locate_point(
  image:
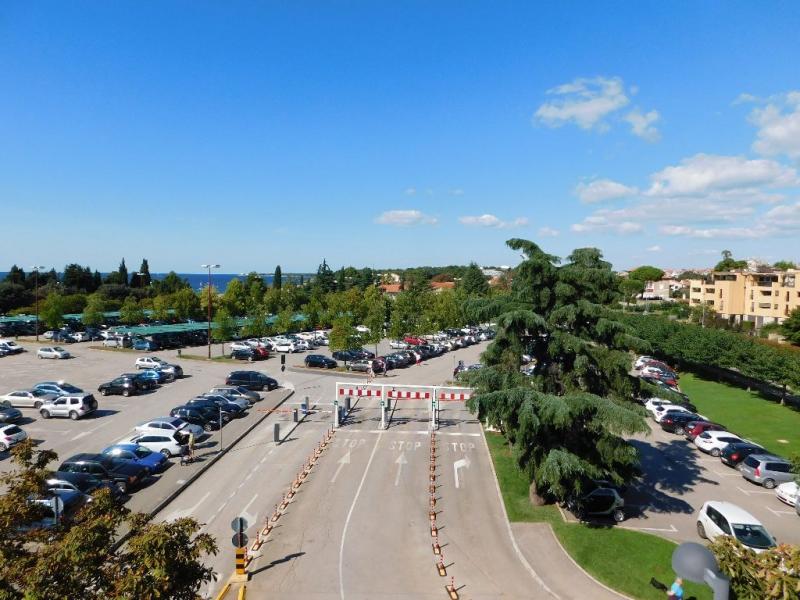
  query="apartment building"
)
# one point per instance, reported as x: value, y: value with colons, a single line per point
x: 749, y: 296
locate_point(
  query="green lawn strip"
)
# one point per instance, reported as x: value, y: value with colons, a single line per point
x: 746, y: 413
x: 622, y: 559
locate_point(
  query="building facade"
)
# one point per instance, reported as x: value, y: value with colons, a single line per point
x: 749, y: 296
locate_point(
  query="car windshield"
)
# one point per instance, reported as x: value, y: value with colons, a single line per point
x: 58, y: 349
x: 754, y: 536
x: 142, y: 452
x: 13, y: 430
x: 70, y: 388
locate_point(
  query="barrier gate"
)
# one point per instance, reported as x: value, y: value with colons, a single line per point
x: 433, y: 395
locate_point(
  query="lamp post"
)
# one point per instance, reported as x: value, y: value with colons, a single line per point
x: 209, y: 267
x: 36, y: 270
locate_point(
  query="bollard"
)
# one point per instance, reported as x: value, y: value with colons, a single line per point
x: 294, y: 416
x: 437, y: 549
x: 434, y: 531
x: 347, y: 404
x: 275, y: 515
x: 276, y: 433
x: 433, y: 501
x: 451, y: 589
x: 433, y: 477
x: 432, y: 488
x: 304, y: 406
x: 241, y: 561
x: 440, y: 565
x: 432, y: 514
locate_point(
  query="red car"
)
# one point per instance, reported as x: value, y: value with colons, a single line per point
x: 414, y: 341
x: 701, y: 426
x: 261, y: 352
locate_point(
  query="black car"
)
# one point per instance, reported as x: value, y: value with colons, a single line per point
x: 676, y: 421
x: 126, y: 385
x: 85, y: 483
x: 346, y: 355
x: 252, y: 380
x: 202, y: 416
x: 362, y: 353
x: 9, y: 414
x: 122, y: 473
x: 217, y: 403
x: 247, y: 354
x: 318, y: 360
x: 733, y: 454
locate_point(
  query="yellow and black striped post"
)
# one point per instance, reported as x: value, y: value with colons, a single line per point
x: 241, y: 561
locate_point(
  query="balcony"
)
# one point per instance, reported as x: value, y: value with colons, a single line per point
x: 764, y: 305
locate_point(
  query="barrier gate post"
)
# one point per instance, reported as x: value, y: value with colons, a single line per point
x: 336, y: 414
x: 383, y: 414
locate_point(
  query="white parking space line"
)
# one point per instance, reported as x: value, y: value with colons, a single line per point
x: 751, y: 492
x: 778, y: 513
x: 406, y: 432
x: 672, y: 528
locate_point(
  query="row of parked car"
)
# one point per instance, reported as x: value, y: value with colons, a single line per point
x: 755, y: 463
x: 260, y: 348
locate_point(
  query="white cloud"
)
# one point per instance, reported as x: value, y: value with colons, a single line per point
x: 548, y: 232
x: 642, y: 124
x: 702, y: 174
x: 655, y: 248
x: 410, y: 191
x: 786, y: 216
x: 405, y: 218
x: 492, y: 221
x: 456, y: 192
x: 754, y: 232
x: 603, y: 189
x: 597, y: 223
x: 778, y: 125
x: 584, y: 102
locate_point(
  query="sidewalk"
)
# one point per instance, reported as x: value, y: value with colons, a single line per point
x: 566, y: 580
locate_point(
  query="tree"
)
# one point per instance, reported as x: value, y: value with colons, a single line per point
x: 784, y: 265
x: 131, y: 313
x: 474, y: 282
x: 171, y: 283
x: 375, y: 315
x: 728, y: 263
x: 161, y: 308
x: 630, y: 288
x: 277, y: 278
x: 285, y: 323
x: 325, y: 280
x: 235, y: 298
x: 186, y: 304
x: 772, y: 573
x: 159, y: 560
x: 790, y: 328
x: 142, y: 279
x: 224, y: 327
x: 690, y: 275
x: 15, y: 275
x: 93, y: 312
x: 256, y: 322
x: 646, y: 273
x: 343, y: 335
x: 51, y: 310
x: 565, y: 424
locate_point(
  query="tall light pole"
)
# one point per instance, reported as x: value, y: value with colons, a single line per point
x: 36, y: 270
x: 209, y: 267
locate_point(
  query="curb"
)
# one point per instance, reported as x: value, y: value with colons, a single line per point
x: 334, y: 373
x: 192, y: 478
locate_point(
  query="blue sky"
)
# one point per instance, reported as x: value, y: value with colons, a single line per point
x: 382, y: 133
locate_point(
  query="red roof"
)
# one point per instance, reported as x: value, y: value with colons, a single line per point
x: 391, y: 288
x: 443, y: 285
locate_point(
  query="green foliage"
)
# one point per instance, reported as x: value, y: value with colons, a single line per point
x: 93, y: 312
x: 256, y: 322
x: 474, y: 281
x: 325, y: 281
x: 284, y: 322
x: 277, y: 278
x: 224, y: 326
x: 375, y: 311
x: 51, y: 310
x: 15, y: 275
x: 407, y: 314
x: 566, y: 423
x: 728, y: 263
x: 693, y: 345
x: 185, y: 303
x: 773, y: 573
x: 784, y: 265
x: 690, y: 275
x: 630, y: 288
x: 646, y: 273
x: 161, y: 308
x: 171, y: 283
x: 343, y: 335
x: 131, y: 312
x: 160, y: 560
x: 236, y: 297
x: 790, y: 328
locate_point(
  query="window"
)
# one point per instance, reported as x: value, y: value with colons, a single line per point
x: 778, y: 467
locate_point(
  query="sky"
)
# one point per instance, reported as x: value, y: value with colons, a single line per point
x: 252, y: 134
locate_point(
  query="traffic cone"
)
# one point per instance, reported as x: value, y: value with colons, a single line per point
x: 451, y: 589
x: 437, y: 549
x: 432, y: 515
x: 440, y: 565
x: 434, y: 530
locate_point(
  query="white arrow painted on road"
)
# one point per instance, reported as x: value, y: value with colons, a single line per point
x: 401, y: 460
x: 189, y: 511
x: 464, y: 462
x: 778, y: 513
x: 287, y: 385
x: 345, y: 460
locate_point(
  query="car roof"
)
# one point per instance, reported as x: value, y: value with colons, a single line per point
x: 733, y: 513
x: 769, y: 458
x: 122, y: 445
x: 720, y: 433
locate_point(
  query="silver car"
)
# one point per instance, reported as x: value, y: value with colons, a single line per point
x: 11, y: 435
x: 74, y: 406
x: 52, y: 352
x: 28, y: 398
x: 232, y: 391
x: 766, y: 470
x: 162, y: 424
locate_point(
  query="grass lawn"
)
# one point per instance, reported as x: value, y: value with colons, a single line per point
x: 749, y: 414
x: 622, y: 559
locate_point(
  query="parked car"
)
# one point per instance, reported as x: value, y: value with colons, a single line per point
x: 651, y: 404
x: 215, y: 404
x: 74, y: 406
x: 208, y: 420
x: 59, y: 388
x: 82, y: 336
x: 11, y: 347
x: 733, y: 454
x: 168, y: 443
x: 318, y: 360
x: 232, y: 391
x: 248, y: 354
x: 124, y: 474
x: 716, y: 519
x: 85, y: 483
x: 145, y: 345
x: 153, y: 362
x: 239, y: 346
x: 139, y: 455
x: 59, y: 508
x: 125, y: 385
x: 52, y: 352
x: 252, y: 380
x: 169, y: 425
x: 788, y: 493
x: 9, y: 414
x: 28, y: 398
x: 363, y: 366
x: 766, y: 469
x: 413, y: 340
x: 677, y: 421
x: 157, y: 376
x: 345, y: 355
x: 697, y: 427
x: 398, y: 344
x: 665, y: 409
x: 117, y: 342
x: 712, y: 442
x: 241, y: 401
x: 286, y: 346
x: 10, y: 436
x: 600, y: 502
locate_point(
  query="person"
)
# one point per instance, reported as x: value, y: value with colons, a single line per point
x: 676, y: 590
x: 370, y: 374
x: 190, y: 445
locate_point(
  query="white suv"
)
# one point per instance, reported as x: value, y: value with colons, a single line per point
x: 724, y: 518
x: 712, y: 442
x: 168, y: 443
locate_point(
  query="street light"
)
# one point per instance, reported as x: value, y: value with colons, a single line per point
x: 36, y: 296
x: 209, y: 267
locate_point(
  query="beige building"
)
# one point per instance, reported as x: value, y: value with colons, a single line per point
x: 747, y: 296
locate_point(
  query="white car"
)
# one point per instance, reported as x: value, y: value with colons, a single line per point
x: 712, y: 442
x: 362, y: 329
x: 239, y: 346
x: 660, y: 411
x: 398, y: 344
x: 153, y: 362
x: 113, y: 342
x: 52, y: 352
x: 285, y: 346
x: 653, y: 403
x: 302, y: 345
x: 165, y: 442
x: 11, y: 435
x: 81, y: 336
x: 11, y: 347
x: 642, y: 361
x: 788, y: 492
x: 48, y: 335
x: 724, y: 518
x: 169, y: 424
